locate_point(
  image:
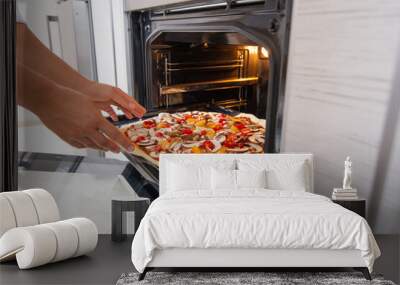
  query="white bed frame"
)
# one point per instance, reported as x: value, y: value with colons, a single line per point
x: 234, y: 257
x: 250, y: 258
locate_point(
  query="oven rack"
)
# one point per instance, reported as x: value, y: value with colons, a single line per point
x: 232, y: 103
x: 207, y: 85
x: 204, y: 65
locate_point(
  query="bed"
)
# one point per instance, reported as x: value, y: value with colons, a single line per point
x: 246, y: 211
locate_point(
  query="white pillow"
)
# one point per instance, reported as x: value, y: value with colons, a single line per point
x: 293, y: 178
x: 223, y: 179
x: 187, y: 174
x: 227, y: 179
x: 182, y: 177
x: 282, y: 174
x: 251, y: 178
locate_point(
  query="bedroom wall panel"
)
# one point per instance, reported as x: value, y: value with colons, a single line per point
x: 341, y: 77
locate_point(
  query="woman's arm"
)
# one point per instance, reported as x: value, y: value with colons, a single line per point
x: 74, y: 117
x: 34, y: 55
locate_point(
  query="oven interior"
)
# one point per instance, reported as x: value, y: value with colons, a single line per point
x: 225, y: 56
x: 214, y: 70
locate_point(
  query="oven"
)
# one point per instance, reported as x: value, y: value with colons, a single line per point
x: 223, y: 56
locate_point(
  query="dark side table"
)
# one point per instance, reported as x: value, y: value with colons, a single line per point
x: 358, y: 206
x: 119, y: 205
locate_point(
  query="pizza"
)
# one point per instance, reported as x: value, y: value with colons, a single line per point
x: 195, y: 132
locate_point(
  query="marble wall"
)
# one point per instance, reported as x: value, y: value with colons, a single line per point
x: 343, y: 98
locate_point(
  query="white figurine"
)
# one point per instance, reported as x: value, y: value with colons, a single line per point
x: 347, y: 174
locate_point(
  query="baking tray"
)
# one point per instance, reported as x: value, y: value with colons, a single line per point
x: 150, y: 171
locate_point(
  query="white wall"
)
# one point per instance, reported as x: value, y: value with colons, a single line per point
x: 103, y: 39
x: 35, y: 14
x: 341, y: 74
x: 110, y: 29
x: 120, y: 43
x: 385, y: 200
x: 33, y: 136
x: 107, y: 16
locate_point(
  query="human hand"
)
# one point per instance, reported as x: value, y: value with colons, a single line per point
x: 67, y: 102
x: 76, y: 118
x: 103, y: 96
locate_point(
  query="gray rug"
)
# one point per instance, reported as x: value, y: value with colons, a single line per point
x: 244, y: 278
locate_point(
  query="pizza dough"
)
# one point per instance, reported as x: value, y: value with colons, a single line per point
x: 196, y: 132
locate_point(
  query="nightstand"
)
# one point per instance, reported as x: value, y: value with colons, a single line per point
x: 358, y: 206
x: 119, y: 205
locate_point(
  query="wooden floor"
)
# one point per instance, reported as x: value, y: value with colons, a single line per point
x: 103, y: 266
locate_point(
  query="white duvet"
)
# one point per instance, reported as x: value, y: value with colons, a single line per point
x: 253, y: 218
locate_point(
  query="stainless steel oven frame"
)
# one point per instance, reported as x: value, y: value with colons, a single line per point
x: 265, y: 23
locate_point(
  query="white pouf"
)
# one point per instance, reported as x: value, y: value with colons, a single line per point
x: 45, y: 205
x: 7, y: 220
x: 31, y: 232
x: 67, y: 237
x: 23, y: 208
